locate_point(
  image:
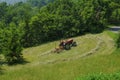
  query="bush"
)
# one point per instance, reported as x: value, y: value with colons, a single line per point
x: 118, y: 40
x: 10, y: 43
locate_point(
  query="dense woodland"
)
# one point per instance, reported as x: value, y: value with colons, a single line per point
x: 30, y: 23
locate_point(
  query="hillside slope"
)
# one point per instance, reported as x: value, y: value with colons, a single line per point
x: 92, y: 55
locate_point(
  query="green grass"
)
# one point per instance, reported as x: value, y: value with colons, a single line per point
x: 39, y: 68
x: 101, y: 76
x: 115, y: 75
x: 112, y: 34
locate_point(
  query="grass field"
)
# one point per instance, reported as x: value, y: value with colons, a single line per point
x: 95, y: 54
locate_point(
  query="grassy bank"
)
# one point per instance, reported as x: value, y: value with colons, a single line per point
x: 115, y: 75
x: 56, y: 66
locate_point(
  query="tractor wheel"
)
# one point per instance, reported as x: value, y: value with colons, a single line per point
x: 74, y: 44
x: 67, y: 47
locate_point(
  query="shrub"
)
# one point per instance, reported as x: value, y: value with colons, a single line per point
x: 10, y: 43
x: 118, y: 40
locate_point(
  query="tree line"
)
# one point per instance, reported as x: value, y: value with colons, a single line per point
x: 38, y: 21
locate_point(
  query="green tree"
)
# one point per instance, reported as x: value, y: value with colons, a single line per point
x: 10, y: 43
x: 65, y: 18
x: 115, y: 17
x: 39, y: 3
x: 3, y: 9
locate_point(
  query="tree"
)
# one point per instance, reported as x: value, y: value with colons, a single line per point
x: 113, y: 11
x: 39, y: 3
x: 115, y: 17
x: 63, y: 19
x: 10, y: 43
x: 3, y: 9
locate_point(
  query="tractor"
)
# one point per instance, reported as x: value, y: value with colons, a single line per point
x: 65, y: 45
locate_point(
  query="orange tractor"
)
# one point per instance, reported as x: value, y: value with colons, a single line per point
x: 65, y: 45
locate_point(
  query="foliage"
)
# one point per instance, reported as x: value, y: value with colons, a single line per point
x: 114, y: 17
x: 10, y: 43
x: 3, y: 9
x: 118, y: 41
x: 39, y: 3
x: 65, y: 18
